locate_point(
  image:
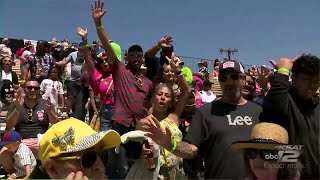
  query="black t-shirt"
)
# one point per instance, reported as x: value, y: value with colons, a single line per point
x: 214, y: 128
x: 39, y: 124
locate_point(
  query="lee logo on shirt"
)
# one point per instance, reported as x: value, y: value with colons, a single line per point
x: 239, y: 120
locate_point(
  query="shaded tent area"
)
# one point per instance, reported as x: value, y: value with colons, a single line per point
x: 16, y: 44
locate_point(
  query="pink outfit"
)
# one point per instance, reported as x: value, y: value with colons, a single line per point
x: 199, y: 83
x: 198, y: 100
x: 101, y: 85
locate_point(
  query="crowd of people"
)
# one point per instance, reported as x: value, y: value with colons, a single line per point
x: 146, y: 116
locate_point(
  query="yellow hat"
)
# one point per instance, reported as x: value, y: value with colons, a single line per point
x: 72, y: 135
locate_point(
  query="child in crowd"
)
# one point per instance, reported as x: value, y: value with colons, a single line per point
x: 24, y: 161
x: 51, y: 89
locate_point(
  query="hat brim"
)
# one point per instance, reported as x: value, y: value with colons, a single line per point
x: 240, y: 146
x: 108, y: 139
x: 4, y: 143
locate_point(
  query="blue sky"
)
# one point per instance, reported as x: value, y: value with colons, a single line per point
x: 261, y: 30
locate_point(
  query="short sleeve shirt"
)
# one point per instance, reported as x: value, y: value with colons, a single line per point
x: 131, y: 98
x: 39, y: 65
x: 76, y: 60
x: 215, y: 126
x: 39, y: 123
x: 51, y: 89
x: 23, y: 157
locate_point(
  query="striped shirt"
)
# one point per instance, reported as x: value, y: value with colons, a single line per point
x: 23, y: 157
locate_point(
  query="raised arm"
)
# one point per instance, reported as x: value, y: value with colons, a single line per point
x: 163, y: 43
x: 276, y: 102
x: 14, y: 112
x: 184, y: 91
x: 97, y: 14
x: 83, y: 33
x: 163, y: 137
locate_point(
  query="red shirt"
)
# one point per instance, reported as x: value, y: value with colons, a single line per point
x: 131, y: 99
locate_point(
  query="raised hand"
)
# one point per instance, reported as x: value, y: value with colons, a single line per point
x: 284, y: 63
x: 97, y: 10
x: 174, y: 62
x: 19, y: 99
x: 160, y: 135
x: 166, y: 41
x: 82, y: 32
x: 263, y: 76
x: 49, y: 105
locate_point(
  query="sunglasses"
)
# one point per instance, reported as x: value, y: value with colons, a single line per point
x: 30, y: 115
x: 33, y: 88
x: 250, y: 83
x: 223, y: 78
x: 263, y: 153
x: 135, y: 54
x: 87, y: 158
x: 10, y: 61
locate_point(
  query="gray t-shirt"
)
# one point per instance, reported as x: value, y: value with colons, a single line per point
x: 76, y: 59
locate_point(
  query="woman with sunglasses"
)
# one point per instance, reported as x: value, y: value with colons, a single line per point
x: 6, y: 70
x: 101, y: 82
x: 71, y: 149
x: 262, y: 154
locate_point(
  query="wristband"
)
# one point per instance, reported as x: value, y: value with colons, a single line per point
x: 284, y: 70
x: 158, y: 46
x: 174, y: 146
x: 99, y: 27
x: 85, y: 46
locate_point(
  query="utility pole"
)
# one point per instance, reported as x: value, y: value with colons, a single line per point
x: 228, y: 52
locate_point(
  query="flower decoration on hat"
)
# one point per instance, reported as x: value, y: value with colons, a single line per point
x: 65, y: 139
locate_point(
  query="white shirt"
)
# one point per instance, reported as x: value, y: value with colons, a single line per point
x: 207, y: 96
x: 7, y: 76
x: 23, y: 157
x: 51, y: 90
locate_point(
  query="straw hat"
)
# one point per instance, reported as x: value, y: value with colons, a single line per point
x: 264, y: 136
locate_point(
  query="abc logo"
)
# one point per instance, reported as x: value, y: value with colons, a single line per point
x: 271, y: 156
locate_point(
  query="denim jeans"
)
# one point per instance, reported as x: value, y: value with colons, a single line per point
x: 105, y: 115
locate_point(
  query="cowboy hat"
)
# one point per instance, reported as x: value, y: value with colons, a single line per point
x: 264, y: 136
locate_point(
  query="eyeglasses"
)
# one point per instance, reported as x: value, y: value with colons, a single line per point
x: 33, y: 88
x: 263, y: 153
x: 30, y: 115
x: 87, y: 158
x: 134, y: 54
x: 223, y: 78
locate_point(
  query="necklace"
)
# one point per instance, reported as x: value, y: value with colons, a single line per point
x: 138, y: 79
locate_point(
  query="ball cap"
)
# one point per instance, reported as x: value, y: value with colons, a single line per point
x: 72, y: 135
x: 9, y: 137
x: 231, y: 64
